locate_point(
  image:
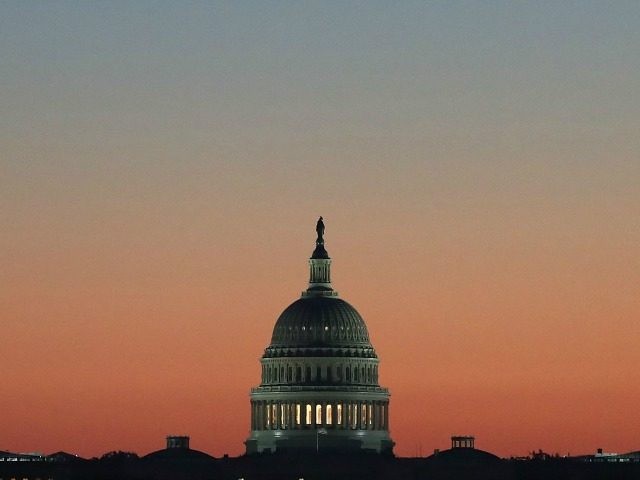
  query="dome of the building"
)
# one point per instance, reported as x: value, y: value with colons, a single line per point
x: 320, y: 322
x: 319, y: 386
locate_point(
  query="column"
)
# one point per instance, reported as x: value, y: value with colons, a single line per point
x: 367, y: 415
x: 259, y: 416
x: 324, y: 414
x: 344, y: 415
x: 253, y: 415
x: 374, y: 409
x: 292, y: 415
x: 272, y: 413
x: 373, y: 415
x: 386, y: 415
x: 334, y: 414
x: 287, y: 415
x: 366, y: 418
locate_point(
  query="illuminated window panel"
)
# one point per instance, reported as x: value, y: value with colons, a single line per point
x: 308, y: 416
x: 353, y: 411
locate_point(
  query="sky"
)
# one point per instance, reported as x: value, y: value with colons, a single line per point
x: 163, y: 164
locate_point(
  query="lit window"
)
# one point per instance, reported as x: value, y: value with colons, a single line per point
x: 370, y: 415
x: 297, y: 414
x: 318, y: 414
x: 339, y: 414
x: 308, y: 419
x: 329, y: 415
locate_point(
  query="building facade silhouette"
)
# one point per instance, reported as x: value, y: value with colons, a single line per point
x: 319, y: 388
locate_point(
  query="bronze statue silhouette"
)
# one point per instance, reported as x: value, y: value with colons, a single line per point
x: 320, y: 230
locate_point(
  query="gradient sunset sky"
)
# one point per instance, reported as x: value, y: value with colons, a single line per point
x: 163, y: 164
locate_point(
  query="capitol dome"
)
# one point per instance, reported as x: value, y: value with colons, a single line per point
x: 320, y: 321
x: 319, y: 387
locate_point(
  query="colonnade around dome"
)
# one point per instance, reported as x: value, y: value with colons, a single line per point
x: 339, y: 415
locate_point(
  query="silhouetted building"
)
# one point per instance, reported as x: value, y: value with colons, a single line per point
x: 174, y: 441
x: 462, y: 441
x: 178, y: 450
x: 319, y: 388
x: 462, y: 452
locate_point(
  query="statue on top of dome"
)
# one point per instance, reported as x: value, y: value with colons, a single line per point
x: 320, y: 230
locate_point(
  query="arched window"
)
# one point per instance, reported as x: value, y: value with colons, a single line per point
x: 328, y: 374
x: 298, y: 374
x: 354, y: 416
x: 307, y: 375
x: 308, y: 415
x: 318, y: 374
x: 329, y: 414
x: 348, y: 374
x: 318, y: 414
x: 298, y: 414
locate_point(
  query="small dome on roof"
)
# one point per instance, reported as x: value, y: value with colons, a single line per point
x: 178, y: 454
x: 463, y: 456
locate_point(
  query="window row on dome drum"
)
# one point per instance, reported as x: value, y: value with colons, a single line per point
x: 352, y: 415
x: 354, y: 351
x: 278, y: 372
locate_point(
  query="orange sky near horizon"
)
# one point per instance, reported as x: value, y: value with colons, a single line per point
x: 162, y: 169
x: 485, y: 333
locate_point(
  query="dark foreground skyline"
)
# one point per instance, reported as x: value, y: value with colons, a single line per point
x: 180, y: 462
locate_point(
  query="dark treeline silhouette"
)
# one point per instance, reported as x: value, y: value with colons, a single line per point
x: 193, y: 465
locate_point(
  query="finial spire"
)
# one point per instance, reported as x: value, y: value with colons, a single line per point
x: 320, y: 252
x: 320, y: 232
x: 320, y: 267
